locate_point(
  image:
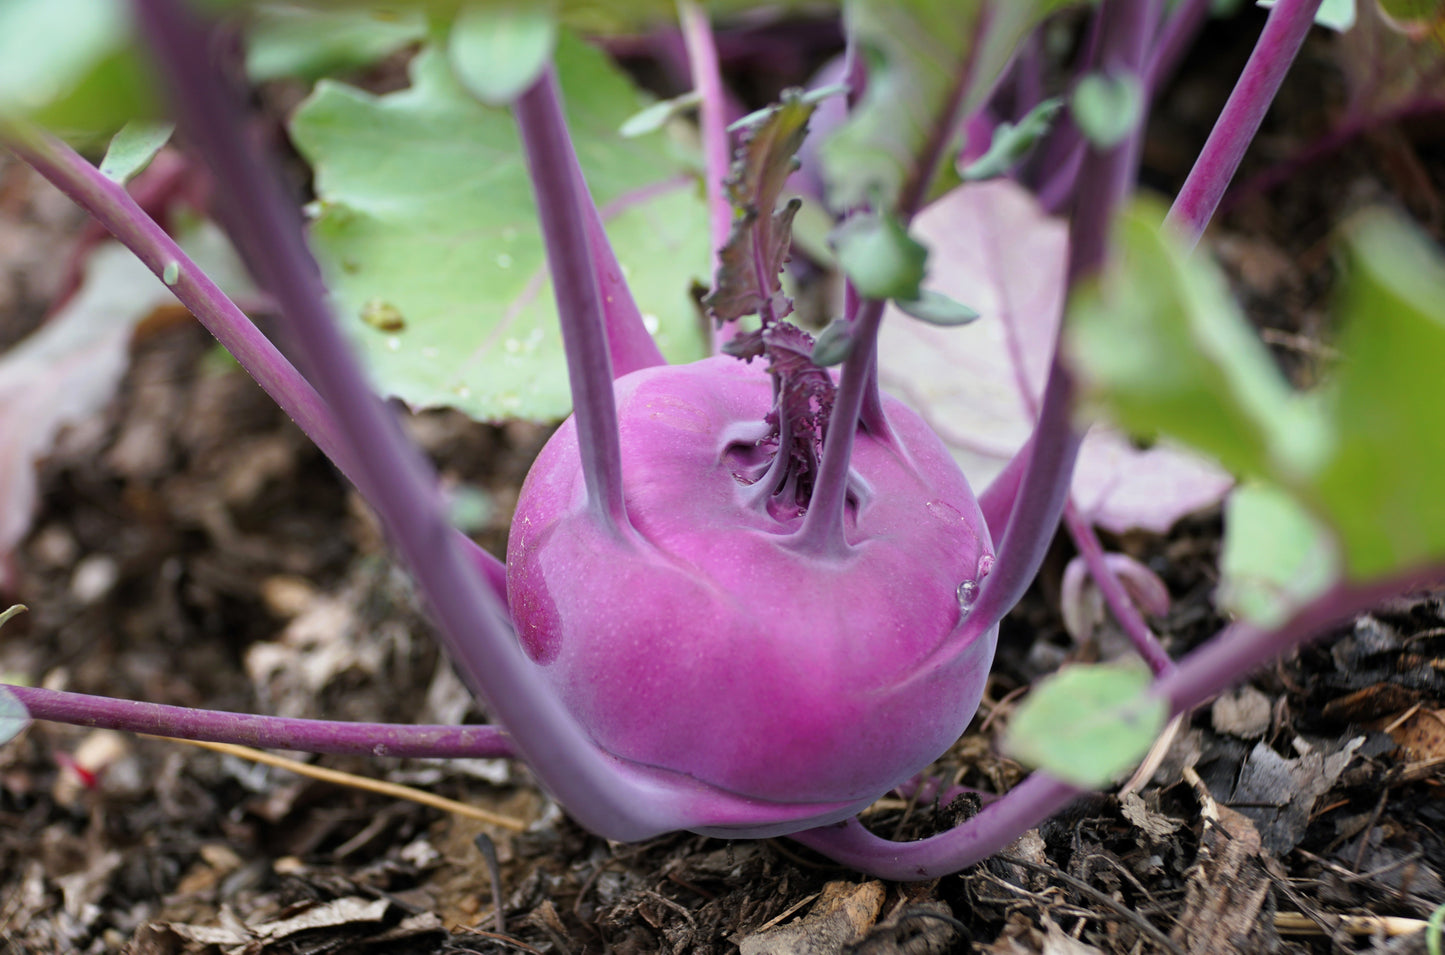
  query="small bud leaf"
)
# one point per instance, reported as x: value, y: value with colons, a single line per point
x: 881, y: 258
x: 935, y: 308
x: 1106, y: 108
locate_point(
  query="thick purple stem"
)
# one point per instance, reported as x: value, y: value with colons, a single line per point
x: 1120, y: 603
x: 992, y: 830
x: 821, y: 533
x: 110, y: 204
x: 1034, y: 517
x: 822, y: 530
x: 267, y: 229
x: 628, y: 341
x: 712, y: 117
x: 562, y: 202
x: 269, y: 732
x: 1126, y: 28
x: 1210, y: 670
x: 1283, y: 35
x: 1061, y: 158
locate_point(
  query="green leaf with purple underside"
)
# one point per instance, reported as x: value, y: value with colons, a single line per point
x: 750, y: 262
x: 424, y: 207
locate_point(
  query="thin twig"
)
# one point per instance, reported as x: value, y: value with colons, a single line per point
x: 1078, y: 885
x: 353, y: 781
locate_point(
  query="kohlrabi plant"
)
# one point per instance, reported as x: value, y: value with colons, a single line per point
x: 749, y: 594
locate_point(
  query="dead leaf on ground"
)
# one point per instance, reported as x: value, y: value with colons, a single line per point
x: 1279, y: 794
x: 842, y: 915
x: 1421, y: 735
x: 1228, y: 885
x: 1244, y: 712
x: 1022, y: 937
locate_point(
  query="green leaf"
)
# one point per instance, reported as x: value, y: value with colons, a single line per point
x: 1087, y: 724
x: 69, y: 66
x: 935, y: 308
x: 11, y: 612
x: 424, y: 206
x: 1107, y: 108
x: 499, y: 50
x: 920, y: 53
x: 881, y: 258
x: 834, y: 344
x: 658, y: 115
x: 761, y: 232
x: 14, y: 718
x: 133, y: 148
x: 1276, y: 557
x: 1161, y: 348
x: 1011, y: 142
x: 1381, y: 487
x: 307, y: 43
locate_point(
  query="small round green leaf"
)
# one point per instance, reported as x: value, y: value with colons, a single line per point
x: 497, y: 52
x: 881, y: 258
x: 133, y: 148
x: 1106, y: 108
x: 935, y: 308
x: 1088, y: 724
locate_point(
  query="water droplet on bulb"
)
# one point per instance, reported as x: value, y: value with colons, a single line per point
x: 967, y: 594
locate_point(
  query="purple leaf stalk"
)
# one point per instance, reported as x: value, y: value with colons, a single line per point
x: 741, y: 597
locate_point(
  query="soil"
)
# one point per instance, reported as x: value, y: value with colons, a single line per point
x: 192, y: 548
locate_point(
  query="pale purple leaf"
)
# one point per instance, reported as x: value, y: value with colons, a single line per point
x: 69, y: 369
x: 995, y: 250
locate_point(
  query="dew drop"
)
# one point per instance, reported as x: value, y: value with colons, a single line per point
x: 171, y: 274
x: 380, y: 749
x: 431, y: 352
x: 967, y: 594
x: 504, y: 261
x: 651, y: 323
x: 393, y: 344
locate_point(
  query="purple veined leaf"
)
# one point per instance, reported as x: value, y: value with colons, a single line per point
x: 994, y: 249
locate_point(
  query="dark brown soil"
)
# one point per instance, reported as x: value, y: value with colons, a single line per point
x: 193, y: 548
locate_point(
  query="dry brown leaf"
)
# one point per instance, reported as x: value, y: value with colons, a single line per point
x: 842, y: 915
x: 1422, y: 735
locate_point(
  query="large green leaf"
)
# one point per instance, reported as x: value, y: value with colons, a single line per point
x: 1163, y: 348
x: 1381, y: 488
x: 921, y: 54
x: 1277, y: 555
x: 70, y: 66
x: 1160, y: 347
x: 427, y: 232
x: 290, y: 39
